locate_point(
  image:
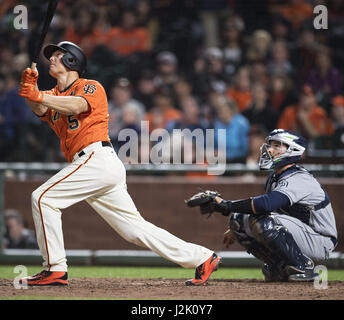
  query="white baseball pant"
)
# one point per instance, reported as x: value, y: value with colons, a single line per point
x: 99, y: 177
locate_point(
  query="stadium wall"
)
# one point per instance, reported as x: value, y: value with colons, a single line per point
x: 160, y: 200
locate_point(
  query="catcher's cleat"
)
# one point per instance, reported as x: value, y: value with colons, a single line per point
x: 46, y: 278
x: 273, y: 274
x: 204, y: 270
x: 302, y: 273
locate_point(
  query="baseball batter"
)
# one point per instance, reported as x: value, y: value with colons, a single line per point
x: 77, y: 110
x: 291, y: 225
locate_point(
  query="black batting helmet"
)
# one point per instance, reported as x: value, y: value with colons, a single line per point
x: 74, y: 57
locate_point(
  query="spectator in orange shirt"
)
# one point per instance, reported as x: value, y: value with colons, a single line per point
x: 306, y: 118
x: 296, y: 12
x: 163, y: 111
x: 127, y: 38
x: 241, y: 91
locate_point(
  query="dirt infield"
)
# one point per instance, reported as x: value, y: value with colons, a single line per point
x: 175, y: 289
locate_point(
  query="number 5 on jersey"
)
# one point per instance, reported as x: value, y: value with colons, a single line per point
x: 73, y: 122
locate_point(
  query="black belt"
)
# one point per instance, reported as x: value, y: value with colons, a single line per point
x: 104, y: 144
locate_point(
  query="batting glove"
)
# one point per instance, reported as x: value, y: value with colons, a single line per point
x: 29, y: 76
x: 30, y: 92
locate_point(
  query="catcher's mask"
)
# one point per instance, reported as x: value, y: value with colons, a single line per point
x: 296, y: 145
x: 74, y: 57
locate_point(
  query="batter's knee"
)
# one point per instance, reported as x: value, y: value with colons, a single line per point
x: 35, y: 196
x: 38, y: 198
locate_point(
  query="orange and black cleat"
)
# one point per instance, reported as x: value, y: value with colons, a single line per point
x: 204, y: 270
x: 46, y: 278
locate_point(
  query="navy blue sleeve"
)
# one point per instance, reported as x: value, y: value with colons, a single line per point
x: 270, y: 202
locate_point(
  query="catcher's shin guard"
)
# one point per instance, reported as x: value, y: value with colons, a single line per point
x: 281, y: 243
x: 273, y: 269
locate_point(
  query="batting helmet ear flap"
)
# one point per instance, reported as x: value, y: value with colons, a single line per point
x: 69, y: 61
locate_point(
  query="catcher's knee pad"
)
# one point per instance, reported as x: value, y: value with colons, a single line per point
x: 264, y: 228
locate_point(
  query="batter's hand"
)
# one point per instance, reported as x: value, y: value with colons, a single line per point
x: 229, y: 238
x: 30, y: 76
x: 30, y: 92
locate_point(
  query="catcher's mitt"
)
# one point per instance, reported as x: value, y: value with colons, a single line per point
x: 205, y: 200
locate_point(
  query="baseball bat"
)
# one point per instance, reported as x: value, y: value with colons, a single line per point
x: 47, y: 20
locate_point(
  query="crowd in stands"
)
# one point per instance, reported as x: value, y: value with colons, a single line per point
x: 241, y: 65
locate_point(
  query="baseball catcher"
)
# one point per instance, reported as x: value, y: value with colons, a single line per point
x: 291, y: 225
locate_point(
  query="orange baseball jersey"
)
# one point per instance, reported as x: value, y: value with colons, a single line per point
x: 78, y: 131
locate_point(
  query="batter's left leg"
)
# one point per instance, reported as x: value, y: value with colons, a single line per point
x: 119, y: 211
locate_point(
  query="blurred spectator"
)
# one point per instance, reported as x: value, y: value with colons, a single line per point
x: 296, y: 11
x: 181, y: 89
x: 145, y: 89
x: 241, y: 89
x: 163, y: 111
x: 304, y: 53
x: 210, y: 13
x: 335, y: 10
x: 131, y: 119
x: 190, y: 116
x: 324, y: 78
x: 146, y: 19
x: 6, y: 58
x: 306, y: 118
x: 256, y: 138
x: 281, y: 29
x: 120, y: 98
x: 166, y: 70
x: 259, y: 112
x: 83, y: 32
x: 13, y: 113
x: 259, y: 46
x: 17, y: 236
x: 127, y: 38
x: 338, y: 120
x: 280, y: 94
x: 259, y: 73
x: 232, y: 46
x: 108, y: 15
x: 208, y: 69
x: 236, y: 130
x: 279, y: 62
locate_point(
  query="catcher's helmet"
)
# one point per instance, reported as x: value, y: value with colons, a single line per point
x: 74, y: 57
x: 296, y: 145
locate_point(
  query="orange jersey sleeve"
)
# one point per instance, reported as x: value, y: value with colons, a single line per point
x: 78, y: 131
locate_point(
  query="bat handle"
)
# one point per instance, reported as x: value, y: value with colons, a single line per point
x: 34, y: 65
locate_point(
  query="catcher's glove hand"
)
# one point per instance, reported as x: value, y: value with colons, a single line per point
x: 205, y: 200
